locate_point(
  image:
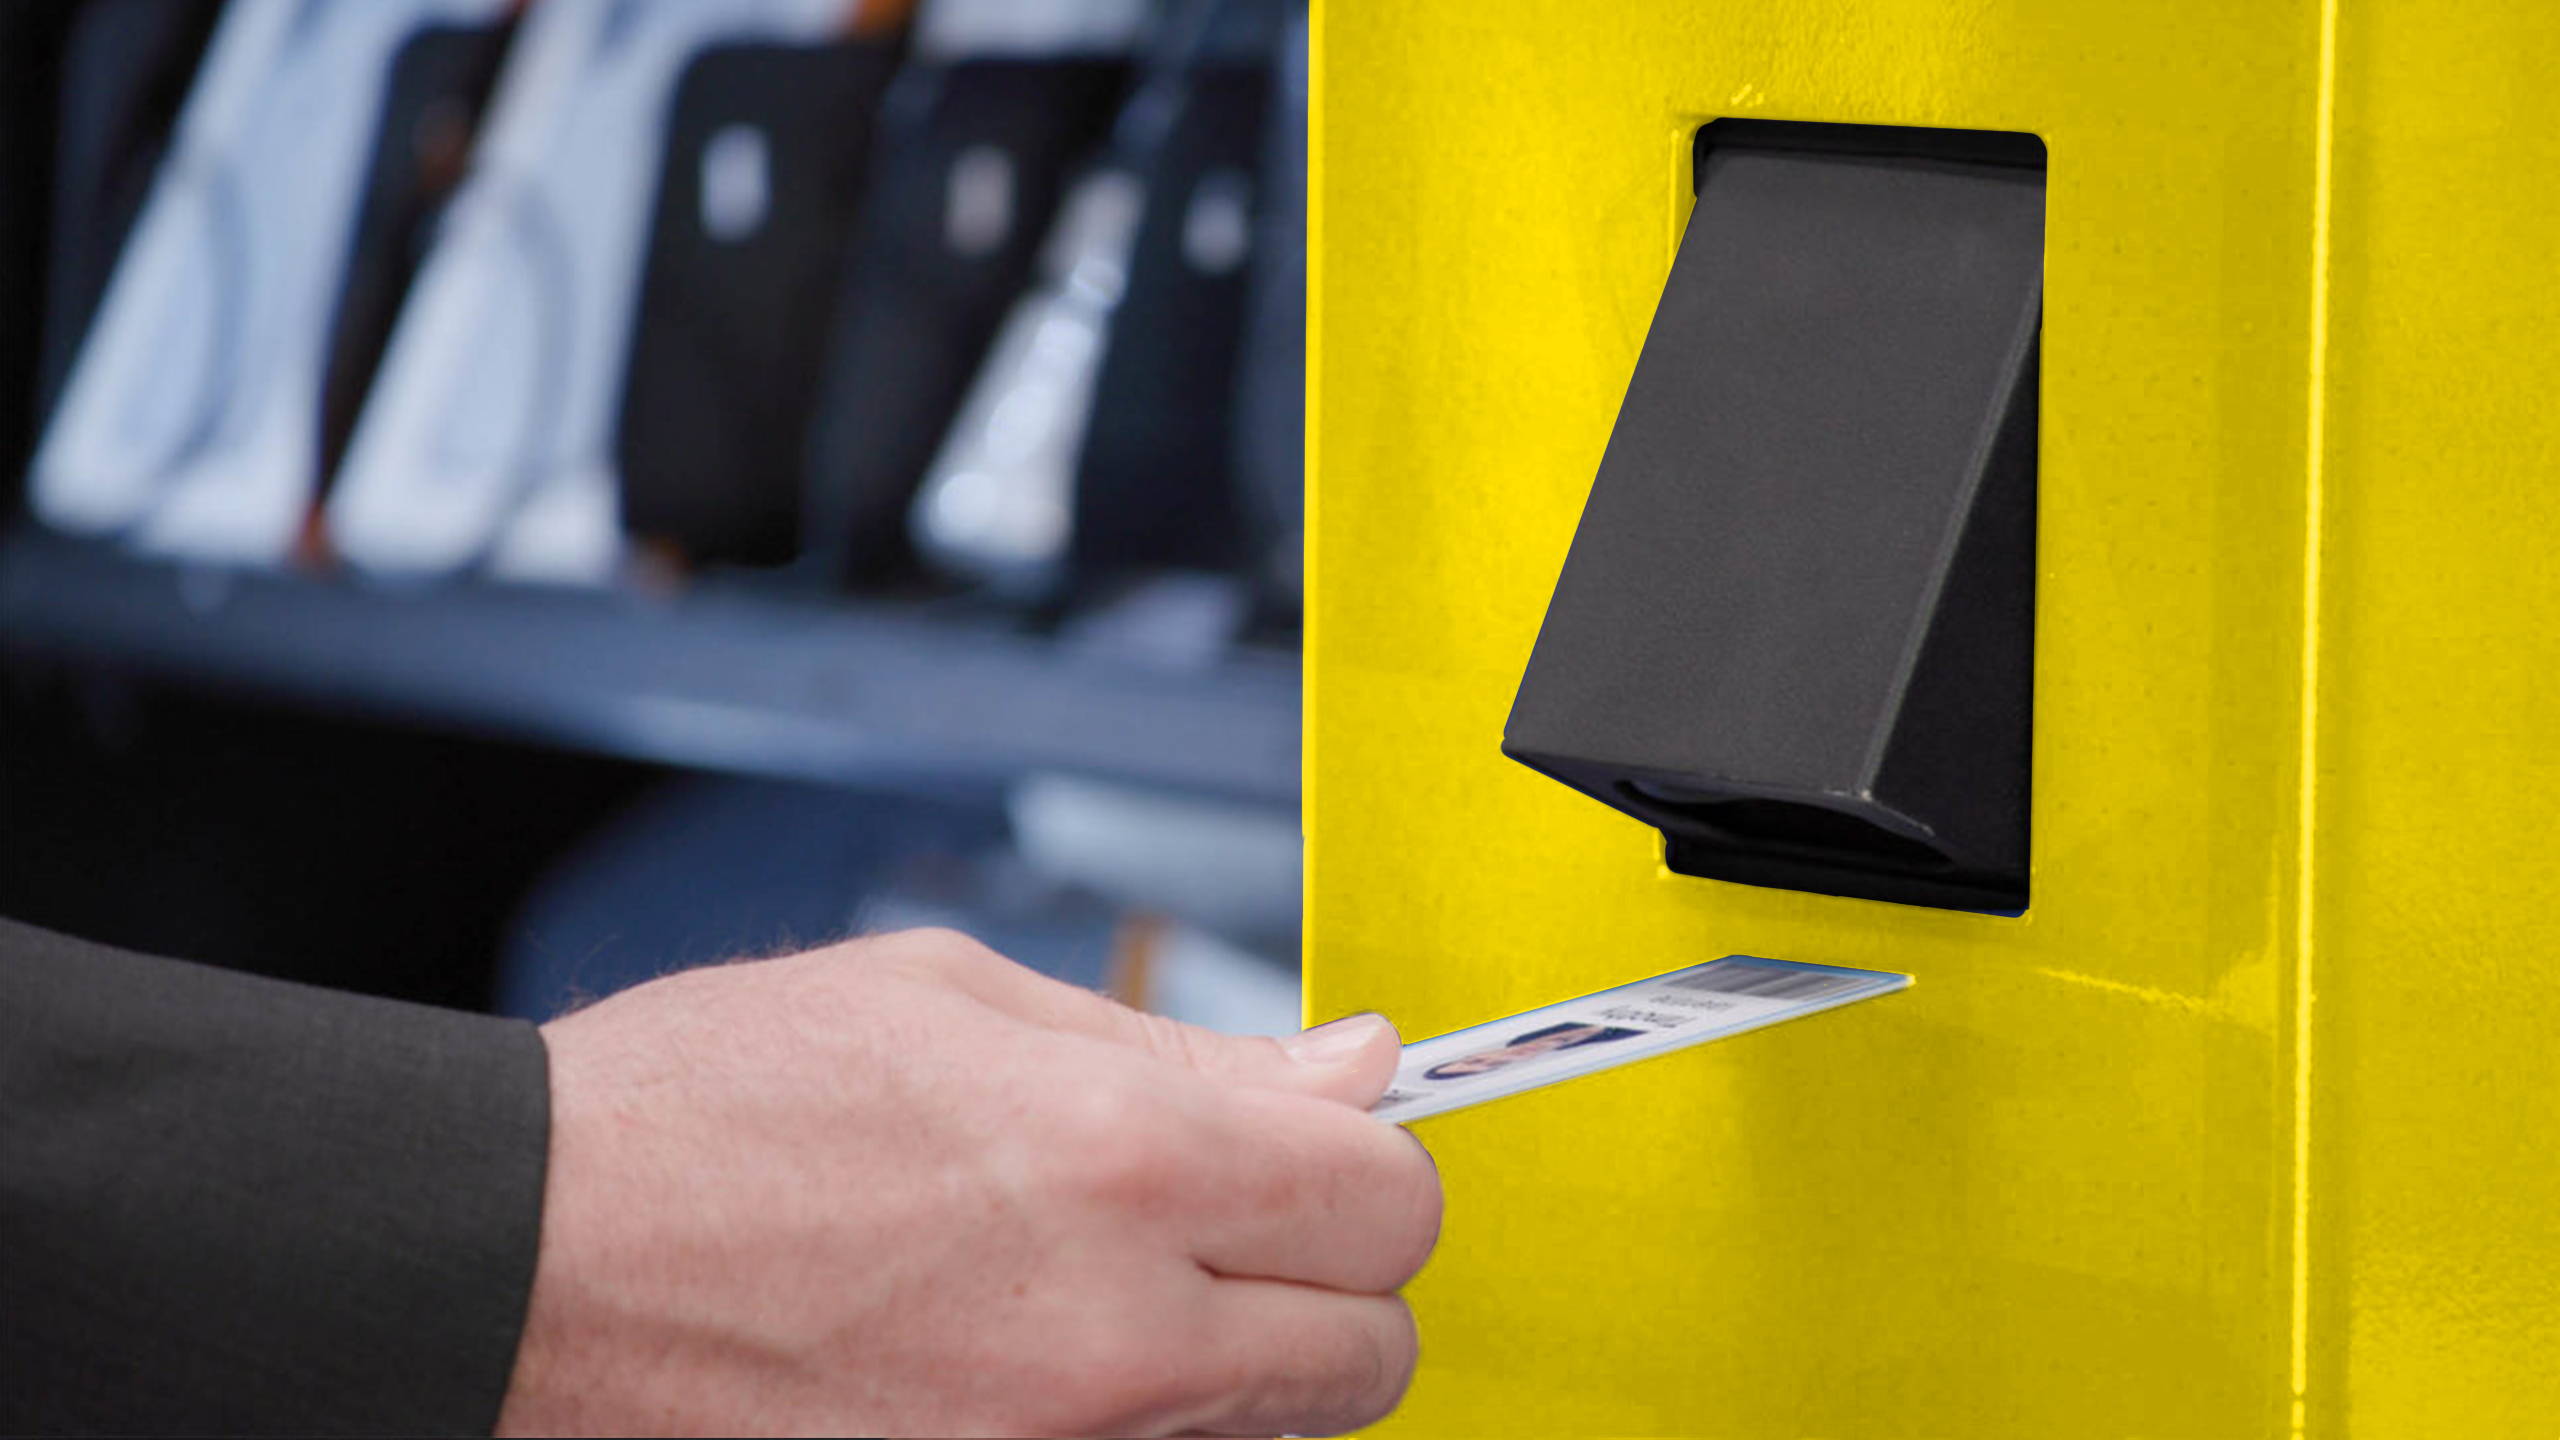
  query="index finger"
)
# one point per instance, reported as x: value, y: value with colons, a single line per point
x: 1350, y: 1061
x: 1297, y: 1188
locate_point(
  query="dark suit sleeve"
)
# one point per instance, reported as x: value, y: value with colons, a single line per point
x: 232, y: 1204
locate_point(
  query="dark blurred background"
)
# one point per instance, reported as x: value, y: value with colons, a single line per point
x: 507, y: 499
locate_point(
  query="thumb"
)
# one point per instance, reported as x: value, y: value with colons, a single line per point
x: 1352, y: 1059
x: 1349, y: 1060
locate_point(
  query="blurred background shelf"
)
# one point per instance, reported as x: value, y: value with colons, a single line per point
x: 840, y: 692
x: 786, y: 469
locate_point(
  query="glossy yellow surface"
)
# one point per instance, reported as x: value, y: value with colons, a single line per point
x: 2436, y: 1217
x: 2111, y: 1168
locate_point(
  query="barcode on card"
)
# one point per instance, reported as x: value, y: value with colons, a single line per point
x: 1767, y: 982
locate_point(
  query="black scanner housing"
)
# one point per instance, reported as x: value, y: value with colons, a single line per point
x: 1795, y: 630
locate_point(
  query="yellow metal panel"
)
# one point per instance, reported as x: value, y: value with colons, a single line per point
x: 2052, y: 1190
x: 2437, y: 1221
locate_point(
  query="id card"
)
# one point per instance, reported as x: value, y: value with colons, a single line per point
x: 1617, y: 1027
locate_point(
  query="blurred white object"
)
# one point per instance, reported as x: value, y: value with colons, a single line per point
x: 1171, y: 620
x: 1196, y: 977
x: 978, y: 201
x: 193, y: 410
x: 1217, y: 226
x: 1225, y: 865
x: 947, y: 29
x: 998, y: 503
x: 490, y: 428
x: 737, y: 182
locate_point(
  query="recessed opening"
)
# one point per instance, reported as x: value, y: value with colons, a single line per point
x: 1786, y: 823
x: 1871, y: 142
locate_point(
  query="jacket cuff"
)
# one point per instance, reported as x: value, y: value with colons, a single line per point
x: 234, y: 1204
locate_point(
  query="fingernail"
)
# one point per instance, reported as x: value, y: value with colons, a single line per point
x: 1335, y: 1040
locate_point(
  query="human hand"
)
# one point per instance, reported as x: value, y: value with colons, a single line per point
x: 904, y: 1186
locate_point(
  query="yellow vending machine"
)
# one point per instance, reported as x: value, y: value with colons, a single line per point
x: 2055, y: 500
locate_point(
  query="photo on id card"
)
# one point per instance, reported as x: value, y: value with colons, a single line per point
x: 1615, y: 1027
